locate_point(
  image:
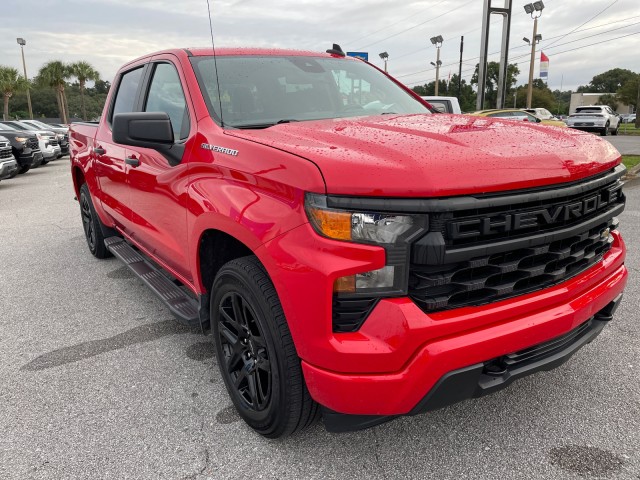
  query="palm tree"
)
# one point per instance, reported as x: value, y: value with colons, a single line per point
x: 83, y: 71
x: 54, y: 74
x: 10, y: 82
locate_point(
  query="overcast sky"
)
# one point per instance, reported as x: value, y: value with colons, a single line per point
x: 107, y: 33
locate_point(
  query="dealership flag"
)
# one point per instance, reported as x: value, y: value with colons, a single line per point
x: 544, y: 67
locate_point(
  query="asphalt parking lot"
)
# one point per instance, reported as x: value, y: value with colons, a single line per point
x: 97, y: 381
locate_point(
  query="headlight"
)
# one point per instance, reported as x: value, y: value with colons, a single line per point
x: 392, y: 231
x: 21, y: 139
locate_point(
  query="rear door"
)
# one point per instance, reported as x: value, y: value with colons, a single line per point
x: 109, y: 165
x: 157, y: 185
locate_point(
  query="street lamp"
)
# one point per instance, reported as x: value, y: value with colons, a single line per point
x: 384, y: 56
x: 22, y: 42
x: 437, y: 41
x: 535, y: 10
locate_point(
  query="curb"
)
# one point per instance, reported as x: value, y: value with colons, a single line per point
x: 631, y: 173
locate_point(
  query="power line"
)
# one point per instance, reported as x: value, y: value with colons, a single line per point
x: 549, y: 47
x: 558, y: 53
x: 391, y: 25
x: 592, y: 18
x: 418, y: 25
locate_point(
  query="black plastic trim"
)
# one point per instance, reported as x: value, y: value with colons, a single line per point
x: 452, y: 204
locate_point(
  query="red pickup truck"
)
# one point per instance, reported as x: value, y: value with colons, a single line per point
x: 351, y: 253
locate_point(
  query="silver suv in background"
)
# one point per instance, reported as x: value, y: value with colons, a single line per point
x: 595, y: 118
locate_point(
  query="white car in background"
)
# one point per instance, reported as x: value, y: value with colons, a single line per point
x: 444, y: 104
x: 595, y: 118
x: 541, y: 113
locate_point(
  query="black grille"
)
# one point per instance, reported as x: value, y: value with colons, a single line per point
x: 32, y: 142
x: 53, y: 142
x: 495, y: 277
x: 5, y: 152
x: 476, y: 263
x: 350, y: 313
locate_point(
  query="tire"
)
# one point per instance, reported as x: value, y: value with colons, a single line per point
x: 256, y: 355
x: 605, y: 131
x: 92, y: 225
x: 615, y: 132
x: 22, y: 170
x: 44, y: 162
x: 13, y: 175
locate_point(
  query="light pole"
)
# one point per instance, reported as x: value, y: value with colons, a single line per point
x: 22, y: 42
x: 535, y: 10
x: 385, y: 56
x: 437, y: 41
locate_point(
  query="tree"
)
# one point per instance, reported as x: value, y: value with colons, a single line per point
x: 608, y: 82
x: 608, y: 99
x: 629, y: 94
x: 102, y: 86
x: 54, y: 74
x: 83, y: 71
x: 467, y: 97
x: 10, y: 83
x: 542, y: 97
x: 493, y: 72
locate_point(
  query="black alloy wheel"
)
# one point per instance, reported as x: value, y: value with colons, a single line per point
x: 605, y: 132
x: 246, y: 358
x: 92, y: 225
x: 256, y: 355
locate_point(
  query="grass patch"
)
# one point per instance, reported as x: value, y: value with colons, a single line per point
x: 630, y: 160
x: 629, y: 129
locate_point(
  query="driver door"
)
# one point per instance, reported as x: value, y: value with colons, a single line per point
x: 158, y: 186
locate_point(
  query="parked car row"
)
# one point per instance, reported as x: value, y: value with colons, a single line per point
x: 591, y: 118
x: 28, y: 144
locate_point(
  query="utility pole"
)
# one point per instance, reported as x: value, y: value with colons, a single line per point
x: 22, y: 42
x: 437, y: 41
x: 535, y: 10
x: 460, y: 68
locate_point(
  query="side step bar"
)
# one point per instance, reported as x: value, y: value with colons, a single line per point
x: 184, y: 307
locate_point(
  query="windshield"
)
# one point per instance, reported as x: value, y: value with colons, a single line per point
x: 4, y: 126
x: 258, y: 92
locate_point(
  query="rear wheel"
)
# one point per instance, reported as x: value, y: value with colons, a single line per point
x: 24, y: 169
x: 615, y: 132
x: 605, y: 131
x: 92, y: 225
x: 256, y: 355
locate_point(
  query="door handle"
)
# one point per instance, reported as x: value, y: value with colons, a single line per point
x: 99, y: 151
x: 134, y: 162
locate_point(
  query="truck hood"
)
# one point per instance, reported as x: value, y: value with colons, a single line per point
x: 437, y: 155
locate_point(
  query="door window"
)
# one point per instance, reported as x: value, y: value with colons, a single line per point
x: 127, y: 90
x: 166, y: 95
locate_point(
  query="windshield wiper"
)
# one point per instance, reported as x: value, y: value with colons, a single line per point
x: 249, y: 126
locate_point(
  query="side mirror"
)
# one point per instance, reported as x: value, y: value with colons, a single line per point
x: 148, y: 130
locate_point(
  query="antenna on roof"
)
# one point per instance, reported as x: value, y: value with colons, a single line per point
x: 336, y: 50
x: 215, y: 63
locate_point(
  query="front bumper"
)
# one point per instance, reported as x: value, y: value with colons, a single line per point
x: 7, y: 168
x: 400, y: 353
x: 51, y: 152
x: 488, y: 377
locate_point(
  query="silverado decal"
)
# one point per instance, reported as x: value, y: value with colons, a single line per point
x: 216, y: 148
